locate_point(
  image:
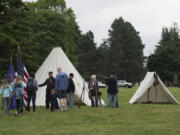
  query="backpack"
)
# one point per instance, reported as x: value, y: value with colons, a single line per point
x: 18, y: 91
x: 31, y: 87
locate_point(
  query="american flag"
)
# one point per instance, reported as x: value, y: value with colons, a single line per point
x: 21, y: 70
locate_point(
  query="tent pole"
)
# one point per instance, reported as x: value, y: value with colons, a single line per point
x: 156, y: 93
x: 82, y: 94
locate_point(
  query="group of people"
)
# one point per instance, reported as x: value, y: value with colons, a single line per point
x: 61, y: 87
x: 112, y: 91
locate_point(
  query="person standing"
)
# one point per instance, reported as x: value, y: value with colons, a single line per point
x: 61, y: 86
x: 19, y: 92
x: 117, y: 103
x: 5, y: 90
x: 71, y: 90
x: 93, y: 91
x: 50, y: 82
x: 112, y: 90
x: 32, y: 87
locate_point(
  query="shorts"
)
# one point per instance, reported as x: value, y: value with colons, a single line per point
x: 62, y: 94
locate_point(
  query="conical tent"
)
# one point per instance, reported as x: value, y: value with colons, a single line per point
x: 152, y: 90
x: 57, y: 58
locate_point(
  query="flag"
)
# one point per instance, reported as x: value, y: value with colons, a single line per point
x: 10, y: 77
x: 11, y: 74
x: 21, y: 70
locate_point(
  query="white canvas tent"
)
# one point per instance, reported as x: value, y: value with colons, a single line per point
x: 57, y: 58
x: 152, y: 92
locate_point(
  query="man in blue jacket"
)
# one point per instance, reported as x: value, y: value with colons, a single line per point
x: 61, y: 86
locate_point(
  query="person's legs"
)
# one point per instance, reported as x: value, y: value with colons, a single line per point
x: 21, y: 105
x: 99, y: 99
x: 61, y: 104
x: 92, y: 101
x: 109, y: 98
x: 6, y: 105
x: 8, y: 101
x: 96, y: 101
x: 117, y: 104
x: 47, y: 98
x: 64, y: 96
x: 18, y: 105
x: 56, y: 104
x: 3, y: 102
x: 114, y: 100
x: 34, y: 101
x: 28, y: 102
x: 60, y: 100
x: 71, y: 99
x: 65, y: 104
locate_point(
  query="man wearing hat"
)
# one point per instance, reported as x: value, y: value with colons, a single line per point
x: 112, y: 90
x: 50, y: 82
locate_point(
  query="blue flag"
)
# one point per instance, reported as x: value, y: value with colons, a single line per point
x: 11, y: 76
x: 11, y: 73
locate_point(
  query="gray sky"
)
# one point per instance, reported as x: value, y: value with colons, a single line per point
x: 147, y: 16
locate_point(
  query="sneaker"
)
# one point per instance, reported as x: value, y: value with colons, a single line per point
x: 65, y: 109
x: 61, y: 109
x: 16, y: 114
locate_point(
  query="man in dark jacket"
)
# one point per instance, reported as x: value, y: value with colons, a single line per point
x: 71, y: 90
x: 112, y: 90
x: 50, y: 82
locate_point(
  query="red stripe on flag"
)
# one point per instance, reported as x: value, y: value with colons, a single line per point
x: 26, y: 75
x: 25, y: 98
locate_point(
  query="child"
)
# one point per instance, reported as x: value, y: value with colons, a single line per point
x: 19, y: 92
x: 6, y: 90
x: 53, y: 99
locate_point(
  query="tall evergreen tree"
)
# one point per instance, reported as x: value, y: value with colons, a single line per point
x: 86, y: 52
x: 166, y: 58
x: 126, y: 51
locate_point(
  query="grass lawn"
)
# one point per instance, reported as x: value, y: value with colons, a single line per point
x: 138, y: 119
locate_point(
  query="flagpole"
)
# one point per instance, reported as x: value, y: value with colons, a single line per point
x: 17, y: 54
x: 18, y: 51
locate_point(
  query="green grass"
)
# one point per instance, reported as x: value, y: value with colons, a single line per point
x: 138, y: 119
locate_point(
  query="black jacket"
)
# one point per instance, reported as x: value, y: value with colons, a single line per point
x: 50, y: 82
x: 112, y: 86
x: 71, y: 87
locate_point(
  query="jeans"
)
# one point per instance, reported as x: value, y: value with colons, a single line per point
x: 32, y: 96
x: 94, y: 101
x: 6, y: 105
x: 117, y: 104
x: 99, y: 99
x: 111, y: 97
x: 71, y: 99
x: 19, y: 106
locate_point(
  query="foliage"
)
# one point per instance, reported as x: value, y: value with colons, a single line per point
x: 126, y: 51
x: 36, y: 27
x: 86, y: 52
x: 166, y: 59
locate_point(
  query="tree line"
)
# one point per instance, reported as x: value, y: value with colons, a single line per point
x: 39, y: 26
x: 166, y: 57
